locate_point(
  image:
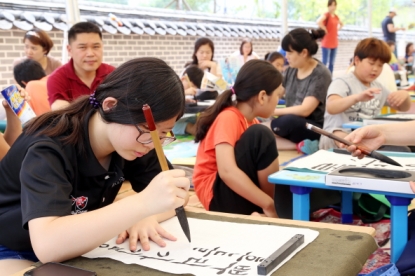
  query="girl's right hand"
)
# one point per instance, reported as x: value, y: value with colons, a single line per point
x: 167, y: 191
x: 203, y: 64
x: 371, y: 137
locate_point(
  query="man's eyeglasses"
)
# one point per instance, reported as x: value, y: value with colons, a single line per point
x: 144, y: 137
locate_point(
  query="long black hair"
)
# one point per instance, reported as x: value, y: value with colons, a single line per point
x: 300, y: 39
x: 135, y: 83
x: 254, y: 76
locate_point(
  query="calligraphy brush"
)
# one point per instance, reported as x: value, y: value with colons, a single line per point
x: 180, y: 213
x: 373, y: 154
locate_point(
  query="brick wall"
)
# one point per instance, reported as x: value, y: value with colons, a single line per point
x: 175, y: 50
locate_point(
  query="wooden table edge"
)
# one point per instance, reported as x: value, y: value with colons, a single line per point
x: 343, y: 227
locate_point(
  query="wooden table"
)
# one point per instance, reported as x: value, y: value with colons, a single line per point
x: 293, y: 223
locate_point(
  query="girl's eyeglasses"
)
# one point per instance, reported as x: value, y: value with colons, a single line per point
x: 144, y: 137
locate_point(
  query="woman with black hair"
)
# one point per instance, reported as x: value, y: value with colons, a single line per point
x: 61, y: 176
x: 37, y: 45
x: 305, y: 82
x: 203, y: 57
x: 245, y: 52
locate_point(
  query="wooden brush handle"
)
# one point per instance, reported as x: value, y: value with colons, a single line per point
x: 337, y: 138
x: 155, y: 137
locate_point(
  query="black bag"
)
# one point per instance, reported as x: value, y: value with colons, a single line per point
x: 371, y: 207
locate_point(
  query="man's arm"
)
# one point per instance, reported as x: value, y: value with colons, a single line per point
x: 58, y: 88
x: 393, y: 29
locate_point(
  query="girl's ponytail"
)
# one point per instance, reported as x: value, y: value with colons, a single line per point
x: 209, y: 115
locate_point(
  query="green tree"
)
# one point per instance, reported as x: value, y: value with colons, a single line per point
x: 201, y: 5
x: 354, y: 12
x: 277, y: 9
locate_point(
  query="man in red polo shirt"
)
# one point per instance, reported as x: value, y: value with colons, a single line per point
x: 84, y: 72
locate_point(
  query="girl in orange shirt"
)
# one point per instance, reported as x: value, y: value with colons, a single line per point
x: 237, y: 154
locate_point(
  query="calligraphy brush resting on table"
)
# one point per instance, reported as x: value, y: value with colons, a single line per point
x: 74, y: 160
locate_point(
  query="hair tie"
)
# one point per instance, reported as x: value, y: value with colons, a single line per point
x: 233, y: 91
x: 93, y: 101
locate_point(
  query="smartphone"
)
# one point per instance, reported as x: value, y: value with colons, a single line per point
x: 55, y: 269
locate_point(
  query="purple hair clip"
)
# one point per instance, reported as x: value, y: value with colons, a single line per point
x: 93, y: 101
x: 233, y: 90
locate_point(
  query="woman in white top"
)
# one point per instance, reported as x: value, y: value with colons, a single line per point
x: 37, y: 45
x: 246, y: 52
x: 203, y: 57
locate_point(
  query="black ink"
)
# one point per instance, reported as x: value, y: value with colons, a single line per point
x: 197, y: 262
x: 223, y: 270
x: 138, y: 254
x: 159, y: 254
x: 220, y: 252
x: 214, y: 249
x: 240, y: 270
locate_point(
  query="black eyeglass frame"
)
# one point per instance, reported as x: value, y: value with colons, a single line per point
x: 164, y: 140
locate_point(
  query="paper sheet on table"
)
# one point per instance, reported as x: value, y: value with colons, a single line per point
x: 324, y: 161
x: 216, y: 248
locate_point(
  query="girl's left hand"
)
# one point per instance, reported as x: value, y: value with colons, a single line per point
x: 144, y: 230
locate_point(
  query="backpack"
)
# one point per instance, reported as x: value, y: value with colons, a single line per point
x: 371, y: 207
